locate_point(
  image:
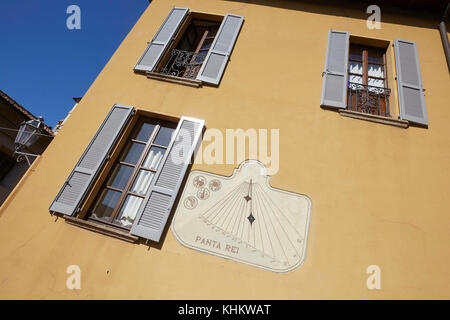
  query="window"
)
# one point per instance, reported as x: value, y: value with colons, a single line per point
x: 367, y: 82
x: 6, y: 163
x: 129, y: 180
x: 187, y: 58
x: 190, y: 45
x: 141, y: 179
x: 355, y: 80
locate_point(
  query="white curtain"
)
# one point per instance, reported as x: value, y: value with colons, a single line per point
x: 355, y: 67
x: 376, y: 71
x: 129, y: 210
x: 140, y: 186
x: 153, y: 158
x: 142, y: 182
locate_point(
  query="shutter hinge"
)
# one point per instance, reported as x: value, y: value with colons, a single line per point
x: 108, y: 156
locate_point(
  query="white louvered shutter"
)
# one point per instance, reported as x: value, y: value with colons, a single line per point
x: 73, y: 191
x: 411, y: 96
x: 219, y: 54
x: 334, y: 83
x: 154, y: 212
x: 162, y: 40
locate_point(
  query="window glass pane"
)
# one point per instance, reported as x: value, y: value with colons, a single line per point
x: 199, y: 57
x: 120, y: 176
x: 357, y: 57
x: 163, y: 137
x: 375, y: 82
x: 355, y: 67
x: 153, y: 158
x: 206, y: 44
x: 144, y: 132
x: 105, y: 204
x: 142, y: 182
x: 132, y: 152
x: 375, y: 56
x: 129, y: 211
x: 212, y: 31
x: 355, y: 52
x: 376, y: 70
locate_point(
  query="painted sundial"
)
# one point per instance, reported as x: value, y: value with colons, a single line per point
x: 243, y: 218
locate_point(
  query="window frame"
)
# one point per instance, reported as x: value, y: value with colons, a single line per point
x: 365, y: 64
x: 111, y: 221
x: 384, y: 98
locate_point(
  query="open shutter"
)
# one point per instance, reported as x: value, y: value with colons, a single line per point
x: 217, y: 57
x: 77, y: 185
x: 161, y: 40
x: 409, y: 83
x: 334, y: 83
x: 154, y: 212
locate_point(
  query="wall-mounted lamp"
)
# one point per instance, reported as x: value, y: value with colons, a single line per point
x: 29, y: 132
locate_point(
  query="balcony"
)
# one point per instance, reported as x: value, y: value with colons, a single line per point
x: 368, y: 99
x: 183, y: 64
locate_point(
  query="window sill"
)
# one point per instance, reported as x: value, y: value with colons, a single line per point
x: 103, y: 229
x: 173, y: 79
x: 374, y: 118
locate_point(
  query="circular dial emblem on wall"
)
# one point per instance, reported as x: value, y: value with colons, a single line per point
x: 199, y: 181
x: 203, y: 193
x: 190, y: 202
x: 214, y: 185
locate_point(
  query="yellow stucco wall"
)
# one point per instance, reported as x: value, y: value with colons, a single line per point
x: 380, y: 194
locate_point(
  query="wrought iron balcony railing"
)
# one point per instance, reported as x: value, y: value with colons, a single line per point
x: 184, y: 64
x: 368, y: 99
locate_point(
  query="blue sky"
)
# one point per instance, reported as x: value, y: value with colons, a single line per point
x: 43, y: 64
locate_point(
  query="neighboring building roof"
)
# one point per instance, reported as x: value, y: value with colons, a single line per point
x: 24, y: 111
